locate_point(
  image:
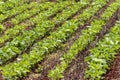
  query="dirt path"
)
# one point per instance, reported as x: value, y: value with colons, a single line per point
x: 114, y: 72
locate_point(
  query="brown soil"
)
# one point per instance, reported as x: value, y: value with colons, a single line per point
x: 1, y: 78
x: 48, y: 63
x: 7, y: 24
x: 114, y: 72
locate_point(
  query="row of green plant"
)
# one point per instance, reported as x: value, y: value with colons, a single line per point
x: 13, y: 12
x: 36, y: 10
x: 87, y: 36
x: 67, y: 13
x: 16, y: 10
x: 12, y: 32
x: 43, y: 27
x: 26, y: 14
x: 50, y: 13
x: 42, y: 48
x: 103, y: 54
x: 9, y: 5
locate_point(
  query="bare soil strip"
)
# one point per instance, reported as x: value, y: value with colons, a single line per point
x: 114, y: 72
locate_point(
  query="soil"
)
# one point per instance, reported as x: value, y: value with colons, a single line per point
x: 114, y: 72
x: 1, y: 78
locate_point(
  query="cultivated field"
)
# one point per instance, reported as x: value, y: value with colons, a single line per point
x: 60, y: 40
